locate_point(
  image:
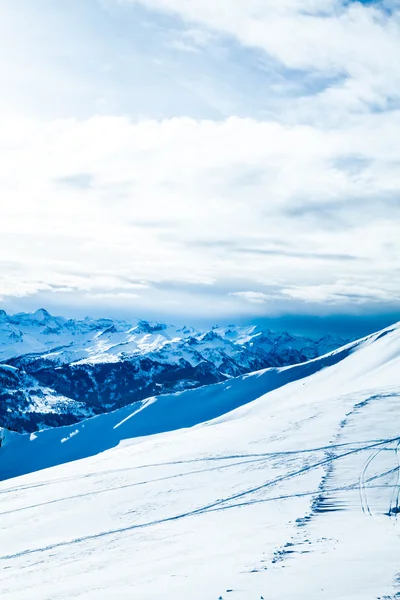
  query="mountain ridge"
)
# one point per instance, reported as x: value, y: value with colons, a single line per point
x: 103, y: 364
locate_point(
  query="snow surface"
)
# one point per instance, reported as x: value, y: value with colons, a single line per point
x: 280, y: 485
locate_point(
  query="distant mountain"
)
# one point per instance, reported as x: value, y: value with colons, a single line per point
x: 25, y: 405
x: 91, y: 366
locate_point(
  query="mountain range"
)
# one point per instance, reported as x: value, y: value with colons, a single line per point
x: 57, y: 371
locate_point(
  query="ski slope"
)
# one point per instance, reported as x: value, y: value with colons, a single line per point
x: 282, y: 484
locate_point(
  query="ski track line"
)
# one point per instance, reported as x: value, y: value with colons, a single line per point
x: 135, y: 484
x: 180, y: 462
x: 349, y: 487
x: 302, y: 471
x: 191, y: 513
x: 394, y: 501
x: 398, y: 481
x: 362, y: 481
x: 362, y: 488
x: 384, y: 474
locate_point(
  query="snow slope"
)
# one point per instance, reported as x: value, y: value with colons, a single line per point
x: 282, y: 493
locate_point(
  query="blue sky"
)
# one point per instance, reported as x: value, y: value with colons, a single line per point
x: 201, y: 159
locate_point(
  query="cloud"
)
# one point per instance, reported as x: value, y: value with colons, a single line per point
x: 82, y: 181
x: 280, y: 250
x: 336, y: 293
x: 357, y: 42
x: 252, y: 297
x: 162, y: 203
x: 203, y: 155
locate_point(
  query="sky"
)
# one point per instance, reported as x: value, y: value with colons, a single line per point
x: 201, y: 159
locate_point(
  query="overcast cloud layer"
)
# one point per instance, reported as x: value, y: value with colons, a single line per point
x: 201, y: 156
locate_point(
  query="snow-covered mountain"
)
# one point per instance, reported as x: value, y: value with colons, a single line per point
x: 27, y: 405
x: 279, y: 484
x: 101, y: 364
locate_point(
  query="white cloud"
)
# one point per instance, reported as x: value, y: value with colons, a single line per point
x: 107, y: 205
x: 296, y: 200
x: 252, y: 297
x: 355, y: 41
x: 336, y: 293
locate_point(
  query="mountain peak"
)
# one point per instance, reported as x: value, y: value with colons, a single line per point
x: 210, y: 336
x: 149, y: 327
x: 42, y: 314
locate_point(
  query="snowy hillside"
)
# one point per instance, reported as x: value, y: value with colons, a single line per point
x: 103, y: 364
x: 25, y: 404
x: 281, y: 484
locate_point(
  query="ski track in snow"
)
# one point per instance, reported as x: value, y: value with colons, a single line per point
x: 394, y: 502
x: 192, y: 513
